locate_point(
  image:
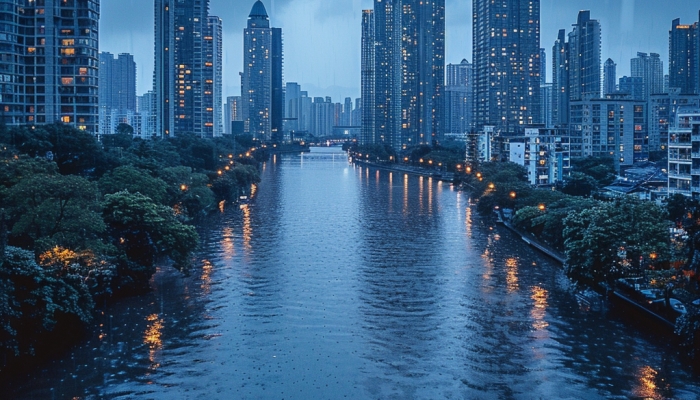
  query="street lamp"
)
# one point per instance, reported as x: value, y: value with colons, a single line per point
x: 541, y: 207
x: 512, y: 195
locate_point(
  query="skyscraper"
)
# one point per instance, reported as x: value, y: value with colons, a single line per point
x: 185, y: 76
x: 459, y: 97
x: 368, y: 86
x: 584, y: 58
x: 560, y: 80
x: 506, y: 62
x: 576, y: 66
x: 49, y: 54
x: 650, y: 68
x: 262, y: 91
x: 387, y: 37
x: 213, y: 71
x: 117, y: 94
x: 277, y: 112
x: 684, y: 57
x: 422, y: 71
x: 609, y: 77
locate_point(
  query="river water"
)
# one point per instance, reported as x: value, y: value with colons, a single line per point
x: 340, y: 281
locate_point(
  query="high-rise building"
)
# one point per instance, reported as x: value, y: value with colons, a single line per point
x: 409, y: 68
x: 560, y: 80
x: 422, y: 71
x: 650, y: 68
x: 634, y: 87
x: 506, y: 62
x: 49, y: 68
x: 346, y: 118
x: 663, y: 111
x: 232, y: 112
x: 368, y: 85
x: 584, y: 58
x: 277, y: 112
x: 543, y: 67
x: 460, y: 98
x: 684, y: 57
x: 387, y: 92
x: 609, y: 77
x: 213, y: 79
x: 612, y: 127
x: 187, y: 47
x: 262, y: 91
x: 117, y: 94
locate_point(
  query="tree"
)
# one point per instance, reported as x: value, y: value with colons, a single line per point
x: 56, y: 211
x: 134, y: 180
x: 36, y: 301
x: 579, y: 184
x: 612, y: 239
x: 125, y: 129
x: 144, y: 231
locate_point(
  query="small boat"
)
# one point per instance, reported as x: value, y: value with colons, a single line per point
x: 243, y: 201
x: 677, y: 306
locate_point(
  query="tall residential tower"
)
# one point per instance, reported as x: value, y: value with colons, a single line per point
x: 506, y: 62
x: 261, y: 86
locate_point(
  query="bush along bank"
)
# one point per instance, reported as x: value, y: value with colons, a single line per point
x: 83, y: 222
x: 624, y: 242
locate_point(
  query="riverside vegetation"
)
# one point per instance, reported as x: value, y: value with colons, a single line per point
x: 83, y: 222
x: 603, y: 239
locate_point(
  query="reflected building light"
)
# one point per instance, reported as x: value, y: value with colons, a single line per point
x: 647, y: 387
x: 227, y: 244
x: 152, y: 338
x: 430, y: 196
x: 539, y: 309
x: 512, y: 275
x: 207, y: 268
x: 405, y: 194
x: 247, y: 230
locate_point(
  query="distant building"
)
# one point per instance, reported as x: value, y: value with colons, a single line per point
x: 609, y: 77
x: 368, y: 84
x: 506, y: 81
x: 187, y: 77
x: 232, y: 112
x: 633, y: 86
x: 546, y: 93
x: 543, y: 152
x: 615, y: 127
x: 663, y: 112
x: 460, y: 98
x: 684, y: 57
x: 650, y: 69
x: 409, y: 50
x: 117, y: 94
x: 212, y: 96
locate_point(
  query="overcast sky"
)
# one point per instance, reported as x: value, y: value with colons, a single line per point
x: 322, y: 37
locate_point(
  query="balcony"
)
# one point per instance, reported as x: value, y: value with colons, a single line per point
x: 679, y: 175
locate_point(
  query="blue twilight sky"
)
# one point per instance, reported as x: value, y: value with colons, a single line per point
x: 322, y: 37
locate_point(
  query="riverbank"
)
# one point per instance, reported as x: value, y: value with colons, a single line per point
x: 419, y: 171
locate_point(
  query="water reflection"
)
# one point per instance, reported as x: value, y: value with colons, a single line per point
x: 333, y: 283
x: 152, y: 338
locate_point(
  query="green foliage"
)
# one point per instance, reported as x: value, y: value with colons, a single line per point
x: 678, y: 206
x: 134, y: 180
x: 602, y: 169
x: 12, y: 171
x: 579, y: 184
x: 144, y: 230
x: 606, y: 242
x: 35, y: 301
x: 56, y: 210
x: 688, y: 330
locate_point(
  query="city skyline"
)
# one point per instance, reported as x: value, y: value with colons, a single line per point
x: 313, y: 27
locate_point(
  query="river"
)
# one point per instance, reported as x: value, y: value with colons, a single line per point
x: 340, y: 281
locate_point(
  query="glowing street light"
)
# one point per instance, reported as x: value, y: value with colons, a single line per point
x: 512, y: 195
